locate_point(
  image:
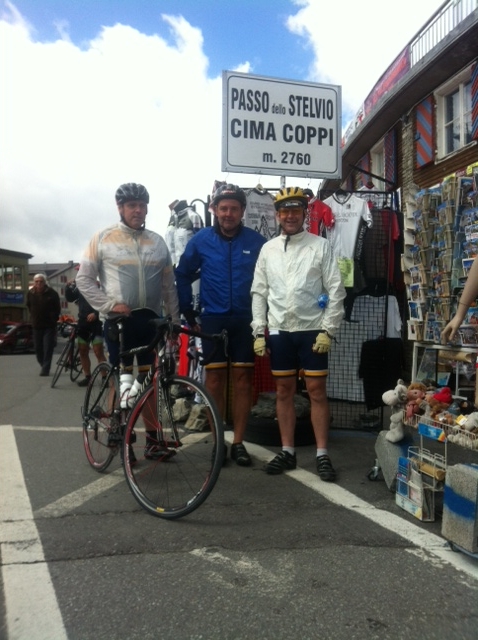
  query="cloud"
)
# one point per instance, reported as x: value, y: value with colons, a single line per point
x: 78, y: 122
x: 126, y: 106
x: 353, y: 43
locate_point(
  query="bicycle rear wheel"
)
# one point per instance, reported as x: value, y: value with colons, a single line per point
x: 99, y: 418
x: 75, y: 369
x: 172, y: 463
x: 62, y: 363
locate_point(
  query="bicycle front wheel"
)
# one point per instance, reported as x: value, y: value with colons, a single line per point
x: 173, y: 449
x: 75, y: 368
x: 62, y: 363
x: 99, y: 418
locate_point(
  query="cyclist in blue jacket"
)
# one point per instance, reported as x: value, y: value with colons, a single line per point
x: 225, y: 255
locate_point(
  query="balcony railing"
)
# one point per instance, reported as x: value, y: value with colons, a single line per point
x: 439, y: 26
x: 442, y: 22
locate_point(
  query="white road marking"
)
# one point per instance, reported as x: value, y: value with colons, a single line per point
x: 66, y: 504
x: 428, y: 542
x: 31, y: 605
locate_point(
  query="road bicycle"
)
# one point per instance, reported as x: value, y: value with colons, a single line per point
x: 69, y: 359
x: 175, y: 476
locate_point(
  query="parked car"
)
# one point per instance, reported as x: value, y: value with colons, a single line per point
x: 16, y: 337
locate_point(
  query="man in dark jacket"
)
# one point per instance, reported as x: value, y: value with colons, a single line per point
x: 43, y: 303
x: 90, y: 330
x: 226, y: 255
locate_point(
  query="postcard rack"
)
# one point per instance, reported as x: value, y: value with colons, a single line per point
x: 421, y: 475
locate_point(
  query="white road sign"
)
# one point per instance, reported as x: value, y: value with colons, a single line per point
x: 280, y: 127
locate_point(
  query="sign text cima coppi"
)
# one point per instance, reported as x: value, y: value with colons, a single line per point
x: 280, y: 127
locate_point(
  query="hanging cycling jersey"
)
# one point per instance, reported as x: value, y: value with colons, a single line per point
x: 260, y: 214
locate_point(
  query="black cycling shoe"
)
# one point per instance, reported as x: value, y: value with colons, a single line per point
x: 156, y: 451
x: 284, y: 461
x: 325, y: 469
x: 240, y: 455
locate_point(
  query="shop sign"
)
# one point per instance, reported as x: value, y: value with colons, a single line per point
x: 12, y: 297
x: 281, y: 127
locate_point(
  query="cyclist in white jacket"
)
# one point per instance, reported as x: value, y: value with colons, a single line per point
x: 297, y: 295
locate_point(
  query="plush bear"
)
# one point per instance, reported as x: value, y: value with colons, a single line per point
x: 438, y: 402
x: 396, y: 399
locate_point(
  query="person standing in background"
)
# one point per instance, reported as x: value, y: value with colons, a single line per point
x: 90, y: 330
x: 43, y: 303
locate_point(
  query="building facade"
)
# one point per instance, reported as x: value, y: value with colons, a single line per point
x: 416, y: 137
x: 14, y: 285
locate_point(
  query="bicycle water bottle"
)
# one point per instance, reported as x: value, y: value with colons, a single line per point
x: 126, y: 381
x: 323, y: 300
x: 133, y: 392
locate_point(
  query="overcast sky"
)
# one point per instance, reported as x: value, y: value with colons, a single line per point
x: 97, y: 93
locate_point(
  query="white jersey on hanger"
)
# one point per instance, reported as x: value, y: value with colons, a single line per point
x: 181, y: 228
x: 348, y: 211
x: 260, y: 214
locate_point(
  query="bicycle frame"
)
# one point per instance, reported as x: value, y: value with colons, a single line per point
x: 169, y: 466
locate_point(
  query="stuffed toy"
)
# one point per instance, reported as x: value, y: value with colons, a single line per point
x: 466, y: 434
x: 444, y: 395
x: 438, y: 402
x: 396, y: 399
x: 416, y: 393
x: 471, y: 423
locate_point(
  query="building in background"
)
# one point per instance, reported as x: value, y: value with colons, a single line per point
x: 419, y: 123
x: 14, y: 285
x: 415, y: 137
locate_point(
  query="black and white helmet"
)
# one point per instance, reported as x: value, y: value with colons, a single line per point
x: 229, y: 191
x: 131, y: 191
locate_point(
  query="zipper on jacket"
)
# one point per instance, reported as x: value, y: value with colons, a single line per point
x: 230, y: 275
x: 141, y: 285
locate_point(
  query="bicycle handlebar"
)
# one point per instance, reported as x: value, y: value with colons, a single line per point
x: 216, y: 337
x: 166, y: 325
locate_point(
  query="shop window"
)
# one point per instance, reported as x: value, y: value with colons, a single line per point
x: 378, y: 166
x: 10, y: 277
x: 454, y: 121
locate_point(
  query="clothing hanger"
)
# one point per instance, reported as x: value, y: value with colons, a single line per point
x: 259, y: 188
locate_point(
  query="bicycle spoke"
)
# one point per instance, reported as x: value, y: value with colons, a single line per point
x: 171, y: 462
x: 99, y: 418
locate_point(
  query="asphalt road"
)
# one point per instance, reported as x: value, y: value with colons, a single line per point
x: 284, y: 557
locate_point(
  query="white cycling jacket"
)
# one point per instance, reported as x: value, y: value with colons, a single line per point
x: 133, y: 267
x: 291, y: 272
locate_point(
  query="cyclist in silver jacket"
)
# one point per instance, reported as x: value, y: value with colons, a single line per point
x: 136, y: 278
